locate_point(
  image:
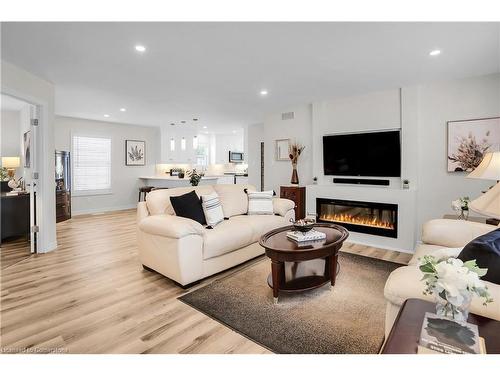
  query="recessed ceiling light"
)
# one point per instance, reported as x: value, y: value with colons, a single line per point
x: 106, y: 116
x: 123, y: 109
x: 140, y: 48
x: 435, y: 52
x: 183, y: 122
x: 234, y: 131
x: 195, y: 119
x: 172, y: 123
x: 263, y: 92
x: 204, y: 127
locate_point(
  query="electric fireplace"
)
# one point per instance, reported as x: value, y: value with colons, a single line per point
x: 380, y: 219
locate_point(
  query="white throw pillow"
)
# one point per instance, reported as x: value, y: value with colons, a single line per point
x: 212, y: 209
x: 260, y: 202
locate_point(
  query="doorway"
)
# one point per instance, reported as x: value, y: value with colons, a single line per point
x: 18, y: 222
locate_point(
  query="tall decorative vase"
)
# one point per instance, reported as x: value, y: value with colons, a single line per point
x: 295, y: 175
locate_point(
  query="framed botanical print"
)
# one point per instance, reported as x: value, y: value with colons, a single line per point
x: 135, y: 152
x: 281, y: 151
x: 469, y: 140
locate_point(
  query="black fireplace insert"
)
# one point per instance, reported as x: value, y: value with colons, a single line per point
x: 375, y: 218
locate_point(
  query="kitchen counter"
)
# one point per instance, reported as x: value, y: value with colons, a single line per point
x: 174, y: 181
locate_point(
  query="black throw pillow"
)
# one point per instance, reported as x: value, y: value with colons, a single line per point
x: 485, y: 250
x: 188, y: 205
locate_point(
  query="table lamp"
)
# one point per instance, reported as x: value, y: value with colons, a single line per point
x: 11, y: 163
x: 488, y: 204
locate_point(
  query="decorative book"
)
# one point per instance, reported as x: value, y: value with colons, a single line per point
x: 448, y: 336
x: 312, y: 235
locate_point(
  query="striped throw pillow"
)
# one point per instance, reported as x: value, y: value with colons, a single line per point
x: 212, y: 209
x: 260, y: 202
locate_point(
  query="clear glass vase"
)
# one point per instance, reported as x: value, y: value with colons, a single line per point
x: 464, y: 214
x: 447, y: 310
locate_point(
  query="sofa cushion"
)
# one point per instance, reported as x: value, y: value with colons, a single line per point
x: 260, y: 224
x: 434, y: 250
x: 485, y: 250
x: 189, y: 206
x: 260, y: 202
x: 233, y: 198
x: 228, y: 236
x: 212, y: 209
x: 158, y: 201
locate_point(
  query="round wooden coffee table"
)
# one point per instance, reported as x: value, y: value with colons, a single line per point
x: 282, y: 250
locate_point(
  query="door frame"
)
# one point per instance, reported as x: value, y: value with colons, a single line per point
x: 39, y: 245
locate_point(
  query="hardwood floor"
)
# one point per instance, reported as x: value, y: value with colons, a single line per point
x: 91, y: 295
x: 13, y: 251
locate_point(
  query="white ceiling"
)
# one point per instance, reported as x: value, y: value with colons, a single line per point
x: 214, y: 71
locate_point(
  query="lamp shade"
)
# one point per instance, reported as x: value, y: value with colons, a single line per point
x: 489, y: 168
x: 11, y: 162
x: 488, y: 204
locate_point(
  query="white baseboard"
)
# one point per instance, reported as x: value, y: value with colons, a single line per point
x: 384, y: 247
x: 103, y: 209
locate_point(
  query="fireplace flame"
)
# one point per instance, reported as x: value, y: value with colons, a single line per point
x: 358, y: 220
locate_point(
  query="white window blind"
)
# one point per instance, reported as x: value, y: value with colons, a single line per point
x: 91, y: 164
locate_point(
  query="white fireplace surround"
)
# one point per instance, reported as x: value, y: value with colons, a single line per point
x: 405, y: 199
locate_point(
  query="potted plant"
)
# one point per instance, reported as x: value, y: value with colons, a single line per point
x: 462, y: 205
x: 294, y: 151
x: 453, y: 283
x: 194, y: 177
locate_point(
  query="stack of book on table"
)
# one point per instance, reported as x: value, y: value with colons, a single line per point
x: 312, y: 235
x: 444, y: 336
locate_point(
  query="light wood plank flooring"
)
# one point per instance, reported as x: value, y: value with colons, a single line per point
x: 13, y: 251
x: 91, y: 295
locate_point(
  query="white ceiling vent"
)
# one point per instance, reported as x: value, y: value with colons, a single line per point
x: 287, y: 116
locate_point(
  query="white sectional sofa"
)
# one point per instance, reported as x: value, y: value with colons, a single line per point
x: 441, y: 238
x: 185, y: 251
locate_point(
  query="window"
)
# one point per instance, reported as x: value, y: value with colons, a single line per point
x: 202, y: 154
x: 91, y: 165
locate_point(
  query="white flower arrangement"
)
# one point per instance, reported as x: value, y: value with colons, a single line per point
x: 460, y: 204
x: 453, y: 282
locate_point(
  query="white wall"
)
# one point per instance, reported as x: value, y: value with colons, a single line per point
x: 26, y: 86
x: 277, y: 173
x: 10, y: 133
x: 124, y: 179
x: 470, y: 98
x: 255, y: 135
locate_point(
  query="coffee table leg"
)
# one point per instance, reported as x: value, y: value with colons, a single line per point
x: 277, y: 275
x: 333, y: 269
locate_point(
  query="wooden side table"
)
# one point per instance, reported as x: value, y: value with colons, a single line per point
x: 405, y: 332
x: 298, y: 195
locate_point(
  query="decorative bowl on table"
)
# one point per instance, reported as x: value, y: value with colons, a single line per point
x: 302, y: 225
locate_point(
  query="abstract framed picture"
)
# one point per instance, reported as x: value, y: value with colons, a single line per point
x: 27, y: 149
x: 469, y: 140
x: 281, y: 151
x: 135, y: 152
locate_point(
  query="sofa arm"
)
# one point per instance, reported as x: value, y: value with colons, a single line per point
x: 453, y: 233
x: 170, y: 226
x: 142, y: 211
x: 281, y: 206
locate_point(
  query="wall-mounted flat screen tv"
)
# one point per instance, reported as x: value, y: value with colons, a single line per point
x: 375, y: 154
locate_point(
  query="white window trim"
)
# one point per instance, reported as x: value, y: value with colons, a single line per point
x: 87, y: 193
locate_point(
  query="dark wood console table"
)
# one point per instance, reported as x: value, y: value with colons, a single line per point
x: 15, y: 215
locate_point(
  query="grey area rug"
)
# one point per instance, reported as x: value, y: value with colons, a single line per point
x: 349, y: 318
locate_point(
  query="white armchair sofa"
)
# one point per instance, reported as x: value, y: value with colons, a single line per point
x: 185, y: 251
x: 440, y: 237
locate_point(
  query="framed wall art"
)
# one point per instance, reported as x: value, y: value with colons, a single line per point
x: 469, y: 140
x: 135, y: 152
